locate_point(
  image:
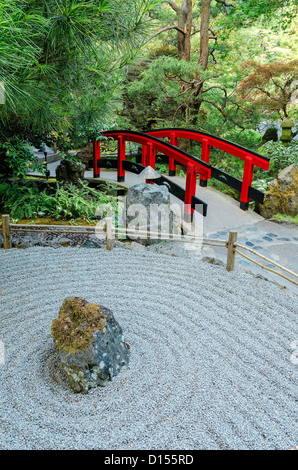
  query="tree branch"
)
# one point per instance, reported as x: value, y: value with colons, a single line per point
x: 267, y: 94
x: 225, y: 4
x: 166, y: 28
x: 278, y: 86
x: 216, y: 86
x: 226, y: 116
x: 175, y: 7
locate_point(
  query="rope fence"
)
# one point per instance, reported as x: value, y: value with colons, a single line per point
x: 110, y: 232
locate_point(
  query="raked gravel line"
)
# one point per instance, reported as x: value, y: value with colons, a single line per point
x: 210, y: 364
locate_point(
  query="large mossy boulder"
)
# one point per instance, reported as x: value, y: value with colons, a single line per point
x: 281, y: 196
x: 90, y: 344
x: 86, y: 155
x: 69, y: 171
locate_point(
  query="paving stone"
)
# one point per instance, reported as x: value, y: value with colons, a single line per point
x: 244, y: 263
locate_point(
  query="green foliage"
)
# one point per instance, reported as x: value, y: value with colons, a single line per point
x: 280, y: 155
x: 16, y: 158
x: 154, y: 96
x: 76, y: 202
x: 245, y: 13
x: 262, y: 183
x: 61, y: 65
x: 161, y: 168
x: 169, y: 92
x: 286, y: 217
x: 26, y: 201
x: 60, y: 62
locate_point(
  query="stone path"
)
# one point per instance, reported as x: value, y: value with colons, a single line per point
x: 278, y: 242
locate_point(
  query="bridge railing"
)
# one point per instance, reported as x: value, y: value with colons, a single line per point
x: 250, y: 158
x: 151, y: 143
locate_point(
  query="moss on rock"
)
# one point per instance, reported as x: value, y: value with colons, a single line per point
x: 76, y: 324
x: 90, y: 344
x: 282, y: 194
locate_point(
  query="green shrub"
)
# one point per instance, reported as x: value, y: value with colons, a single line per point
x: 26, y: 201
x: 16, y: 158
x: 161, y: 168
x: 286, y: 217
x: 280, y: 155
x: 81, y: 202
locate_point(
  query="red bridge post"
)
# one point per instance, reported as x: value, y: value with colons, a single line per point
x: 96, y: 158
x: 172, y: 166
x: 151, y: 153
x: 205, y: 155
x: 190, y: 191
x: 246, y: 182
x: 144, y: 155
x: 121, y: 157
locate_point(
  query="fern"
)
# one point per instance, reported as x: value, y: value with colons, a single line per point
x: 26, y: 202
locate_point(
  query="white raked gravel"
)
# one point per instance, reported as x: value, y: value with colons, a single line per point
x: 210, y: 364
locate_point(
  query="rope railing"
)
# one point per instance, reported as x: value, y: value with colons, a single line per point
x: 111, y: 231
x: 264, y: 257
x: 268, y: 269
x: 170, y: 236
x: 230, y: 244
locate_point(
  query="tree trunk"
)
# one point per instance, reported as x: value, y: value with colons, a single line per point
x: 204, y: 49
x: 204, y: 34
x: 184, y: 14
x: 188, y: 25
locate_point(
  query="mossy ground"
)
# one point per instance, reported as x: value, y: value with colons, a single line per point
x: 77, y: 321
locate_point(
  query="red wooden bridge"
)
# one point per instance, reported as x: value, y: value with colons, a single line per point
x: 152, y: 143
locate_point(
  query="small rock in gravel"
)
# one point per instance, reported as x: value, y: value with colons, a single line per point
x: 89, y: 244
x: 89, y: 342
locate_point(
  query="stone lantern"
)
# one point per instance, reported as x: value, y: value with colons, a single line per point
x: 46, y: 150
x: 286, y: 131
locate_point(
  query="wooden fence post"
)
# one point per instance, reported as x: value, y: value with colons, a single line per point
x: 109, y: 233
x: 6, y: 231
x: 231, y: 251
